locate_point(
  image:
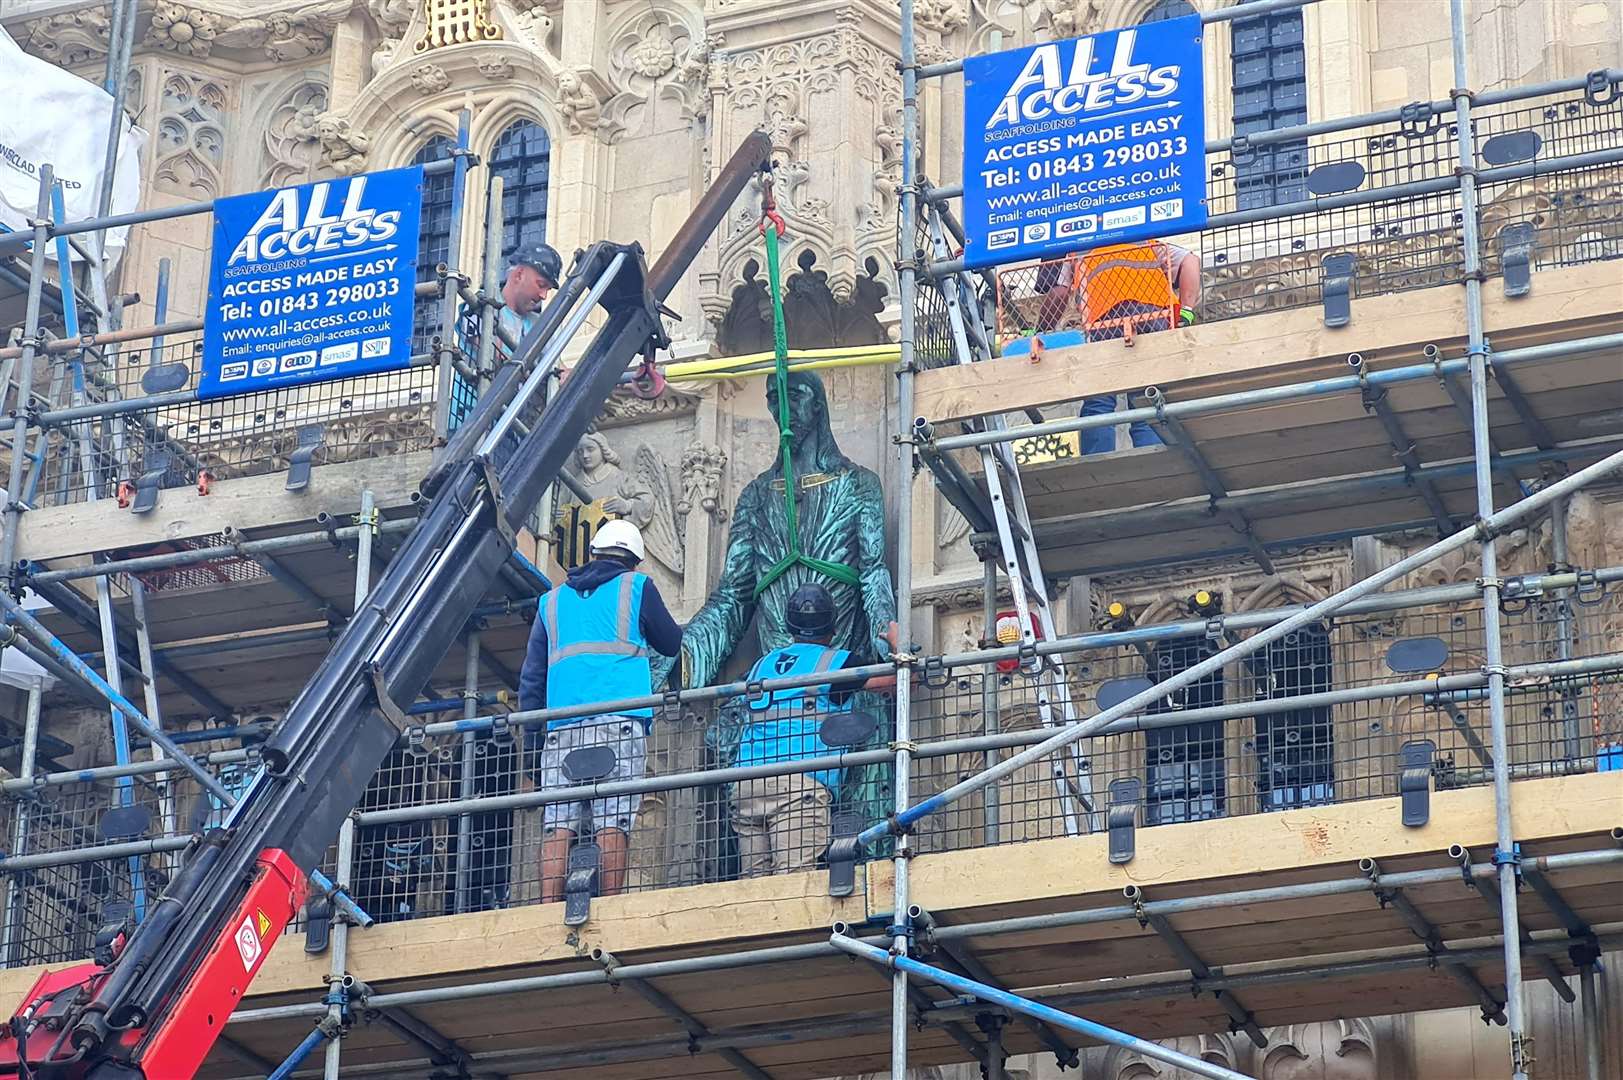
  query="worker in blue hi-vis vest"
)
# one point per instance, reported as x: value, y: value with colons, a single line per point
x: 591, y: 642
x: 782, y: 821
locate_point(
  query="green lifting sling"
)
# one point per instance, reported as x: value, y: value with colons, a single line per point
x: 772, y: 227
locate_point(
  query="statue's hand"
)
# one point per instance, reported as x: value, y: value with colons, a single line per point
x: 616, y: 505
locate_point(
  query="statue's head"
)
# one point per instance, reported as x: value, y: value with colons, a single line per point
x: 808, y: 403
x: 593, y: 451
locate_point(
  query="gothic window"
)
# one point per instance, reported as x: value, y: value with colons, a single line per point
x: 1162, y: 10
x: 1184, y: 765
x: 523, y: 159
x: 434, y: 242
x: 1295, y: 749
x: 1270, y: 92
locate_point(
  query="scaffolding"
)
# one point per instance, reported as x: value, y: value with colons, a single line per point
x: 1520, y: 680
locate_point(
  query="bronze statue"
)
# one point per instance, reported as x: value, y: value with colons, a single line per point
x: 841, y: 520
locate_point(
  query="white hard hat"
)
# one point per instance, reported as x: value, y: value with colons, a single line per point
x: 618, y: 535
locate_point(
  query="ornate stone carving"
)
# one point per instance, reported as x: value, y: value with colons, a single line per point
x: 286, y: 37
x: 624, y: 408
x: 580, y: 99
x: 1070, y: 18
x: 942, y: 16
x: 185, y: 30
x: 496, y: 68
x: 68, y: 38
x: 641, y: 494
x: 343, y: 149
x: 392, y: 17
x: 655, y: 52
x: 1122, y: 1064
x: 191, y: 136
x: 456, y: 22
x: 293, y: 136
x: 537, y: 28
x: 701, y: 481
x: 430, y: 78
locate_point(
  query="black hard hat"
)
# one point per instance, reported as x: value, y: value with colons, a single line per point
x: 811, y: 612
x: 542, y: 258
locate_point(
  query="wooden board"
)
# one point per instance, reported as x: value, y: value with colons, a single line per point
x: 1274, y: 348
x: 245, y: 504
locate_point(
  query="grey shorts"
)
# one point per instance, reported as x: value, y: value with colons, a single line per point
x: 625, y: 735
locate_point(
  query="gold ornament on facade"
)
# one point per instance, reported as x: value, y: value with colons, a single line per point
x: 456, y: 22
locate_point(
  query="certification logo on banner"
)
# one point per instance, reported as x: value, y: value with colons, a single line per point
x: 1084, y: 142
x: 312, y: 283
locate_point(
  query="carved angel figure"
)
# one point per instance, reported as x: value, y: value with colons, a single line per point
x: 643, y: 495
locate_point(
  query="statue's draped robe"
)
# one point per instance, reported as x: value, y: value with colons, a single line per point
x: 842, y: 520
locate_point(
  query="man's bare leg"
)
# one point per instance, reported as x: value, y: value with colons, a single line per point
x: 554, y: 864
x: 612, y: 877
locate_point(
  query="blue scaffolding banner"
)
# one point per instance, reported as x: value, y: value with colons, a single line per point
x: 1079, y: 143
x: 311, y: 283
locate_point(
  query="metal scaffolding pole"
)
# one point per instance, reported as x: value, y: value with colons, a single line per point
x: 25, y: 371
x: 1594, y: 1022
x: 1026, y: 1007
x: 445, y: 377
x: 11, y: 945
x: 1506, y: 856
x: 901, y: 929
x: 465, y: 787
x: 990, y: 725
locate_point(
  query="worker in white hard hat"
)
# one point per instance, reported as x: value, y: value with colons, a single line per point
x: 590, y: 642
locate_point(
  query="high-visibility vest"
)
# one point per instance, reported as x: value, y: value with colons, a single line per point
x: 1118, y: 273
x: 785, y: 722
x: 595, y: 646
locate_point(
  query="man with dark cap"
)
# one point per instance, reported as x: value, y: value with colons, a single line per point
x: 533, y: 271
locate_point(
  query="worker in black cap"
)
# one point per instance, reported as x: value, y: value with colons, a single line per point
x: 534, y: 269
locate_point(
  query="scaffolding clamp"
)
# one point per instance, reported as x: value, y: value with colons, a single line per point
x: 1414, y: 781
x: 1590, y: 590
x: 311, y: 439
x: 1417, y: 119
x: 1122, y: 818
x: 1241, y: 152
x: 843, y: 853
x: 501, y: 731
x: 935, y: 674
x: 1601, y: 89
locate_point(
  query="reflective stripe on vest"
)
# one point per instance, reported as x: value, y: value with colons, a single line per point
x: 1124, y: 273
x: 621, y: 646
x: 598, y: 653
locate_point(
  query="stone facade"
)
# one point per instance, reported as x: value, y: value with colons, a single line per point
x: 643, y: 101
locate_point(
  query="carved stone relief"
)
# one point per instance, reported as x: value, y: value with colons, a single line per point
x: 701, y: 481
x: 343, y: 149
x: 392, y: 17
x: 293, y: 137
x: 429, y: 78
x: 820, y: 98
x: 185, y: 30
x: 581, y: 93
x: 68, y: 38
x: 656, y: 53
x: 286, y: 37
x: 191, y: 135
